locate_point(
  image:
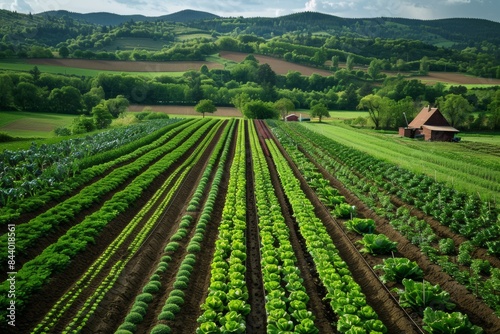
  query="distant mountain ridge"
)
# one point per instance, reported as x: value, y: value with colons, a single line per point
x: 105, y: 18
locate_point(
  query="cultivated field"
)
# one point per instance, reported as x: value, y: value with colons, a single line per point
x: 231, y: 226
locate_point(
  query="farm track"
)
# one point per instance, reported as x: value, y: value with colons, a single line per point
x: 479, y: 313
x: 256, y: 320
x: 61, y: 230
x: 61, y: 282
x: 389, y: 311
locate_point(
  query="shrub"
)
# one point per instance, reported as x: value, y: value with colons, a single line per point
x: 193, y: 247
x: 180, y: 285
x: 161, y: 329
x: 166, y: 316
x: 142, y: 311
x: 175, y: 300
x: 127, y: 326
x: 177, y: 293
x: 134, y: 318
x: 145, y: 297
x: 151, y: 288
x: 174, y: 308
x: 172, y: 246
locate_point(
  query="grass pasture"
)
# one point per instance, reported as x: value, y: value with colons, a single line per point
x: 32, y: 125
x: 131, y: 43
x: 470, y: 165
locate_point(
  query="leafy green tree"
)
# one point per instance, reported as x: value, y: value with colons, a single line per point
x: 35, y: 73
x: 294, y: 79
x: 65, y: 100
x: 455, y: 108
x: 349, y: 99
x: 375, y: 68
x: 64, y: 51
x: 335, y: 63
x: 494, y: 112
x: 376, y: 107
x: 101, y: 115
x: 349, y: 62
x: 117, y: 106
x: 29, y: 97
x: 83, y: 124
x: 92, y: 98
x: 205, y: 106
x: 424, y: 65
x: 319, y: 110
x: 284, y: 105
x: 319, y: 57
x: 257, y: 109
x: 6, y: 91
x: 240, y: 100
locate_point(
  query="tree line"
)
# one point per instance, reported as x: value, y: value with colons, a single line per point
x: 252, y: 87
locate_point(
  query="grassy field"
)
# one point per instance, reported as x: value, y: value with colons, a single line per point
x: 25, y: 66
x: 27, y: 127
x: 468, y: 165
x: 131, y: 43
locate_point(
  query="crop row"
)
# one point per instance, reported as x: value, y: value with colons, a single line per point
x: 175, y: 300
x: 286, y: 297
x: 89, y: 168
x: 35, y: 273
x: 343, y: 293
x: 417, y: 231
x: 464, y: 213
x: 65, y: 212
x: 24, y: 173
x: 226, y: 305
x: 160, y: 200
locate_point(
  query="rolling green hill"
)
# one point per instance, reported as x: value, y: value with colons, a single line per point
x: 103, y: 18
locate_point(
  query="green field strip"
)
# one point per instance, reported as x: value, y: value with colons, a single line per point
x: 456, y: 172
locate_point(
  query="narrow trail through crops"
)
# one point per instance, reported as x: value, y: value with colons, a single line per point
x: 479, y: 313
x: 60, y: 283
x: 256, y: 320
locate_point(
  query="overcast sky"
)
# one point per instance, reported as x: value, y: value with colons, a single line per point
x: 419, y: 9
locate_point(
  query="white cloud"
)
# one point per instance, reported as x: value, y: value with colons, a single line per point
x: 21, y: 6
x: 311, y: 6
x: 421, y: 9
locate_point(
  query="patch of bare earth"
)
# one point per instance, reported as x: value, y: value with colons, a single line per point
x: 127, y: 66
x: 185, y: 110
x: 278, y: 65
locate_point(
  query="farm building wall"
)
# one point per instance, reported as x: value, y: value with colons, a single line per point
x: 292, y: 118
x: 437, y: 135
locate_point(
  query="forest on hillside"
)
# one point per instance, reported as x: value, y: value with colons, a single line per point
x: 358, y: 56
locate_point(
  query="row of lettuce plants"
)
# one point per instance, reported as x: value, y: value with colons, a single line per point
x: 464, y: 213
x: 89, y: 169
x: 344, y: 294
x: 431, y: 302
x: 65, y: 212
x: 35, y: 273
x: 175, y: 298
x: 225, y: 307
x: 286, y: 297
x: 417, y: 231
x: 25, y: 172
x: 169, y: 187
